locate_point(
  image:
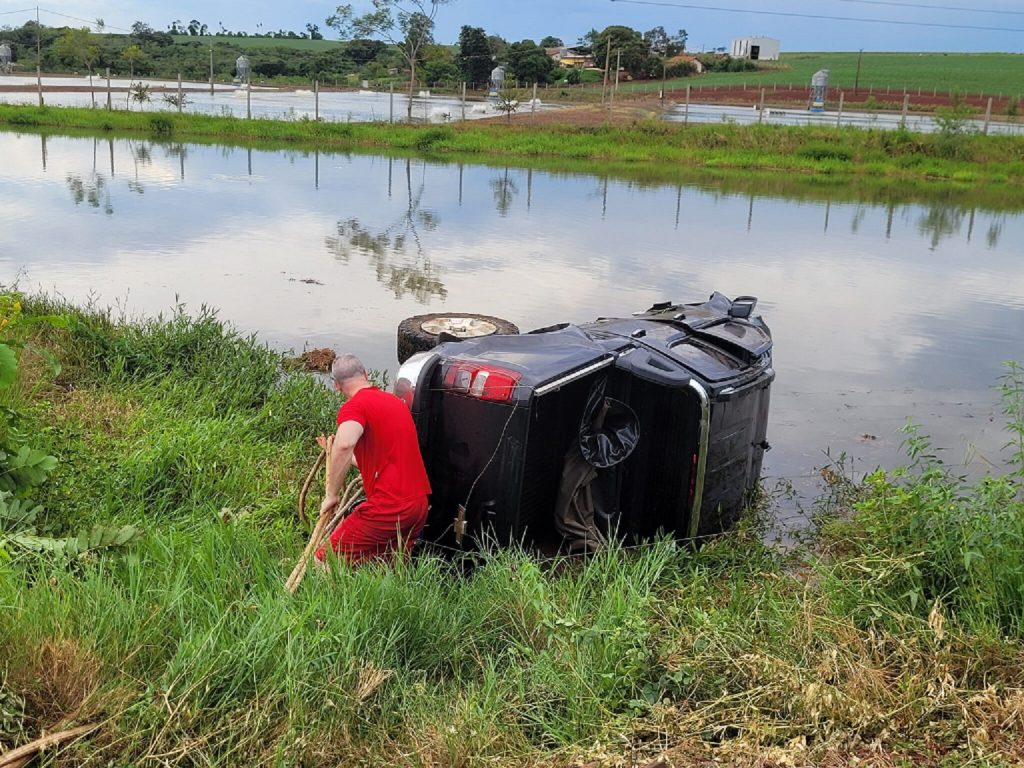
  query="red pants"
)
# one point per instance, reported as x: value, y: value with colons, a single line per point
x: 371, y: 533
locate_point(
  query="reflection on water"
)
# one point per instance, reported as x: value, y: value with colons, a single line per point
x: 885, y: 301
x: 386, y: 248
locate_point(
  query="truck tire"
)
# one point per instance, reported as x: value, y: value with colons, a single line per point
x: 423, y: 332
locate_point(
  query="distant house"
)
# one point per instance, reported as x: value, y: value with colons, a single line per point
x: 569, y: 57
x: 685, y: 58
x: 755, y: 48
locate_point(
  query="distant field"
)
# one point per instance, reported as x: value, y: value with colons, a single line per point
x: 990, y: 73
x: 261, y: 42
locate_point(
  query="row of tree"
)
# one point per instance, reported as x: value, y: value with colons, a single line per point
x: 196, y: 28
x: 407, y: 45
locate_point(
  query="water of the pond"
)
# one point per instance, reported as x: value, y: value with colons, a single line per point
x: 743, y: 115
x: 269, y: 103
x: 880, y: 310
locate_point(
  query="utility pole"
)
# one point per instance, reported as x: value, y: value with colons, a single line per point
x: 211, y: 67
x: 607, y: 61
x: 664, y: 78
x: 39, y: 71
x: 856, y: 80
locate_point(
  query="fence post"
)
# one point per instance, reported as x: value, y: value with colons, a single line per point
x: 248, y: 101
x: 463, y: 100
x: 906, y: 104
x: 391, y: 103
x: 760, y: 110
x: 988, y: 115
x: 316, y: 100
x: 108, y: 90
x: 179, y: 93
x: 686, y: 109
x: 533, y: 103
x: 839, y: 117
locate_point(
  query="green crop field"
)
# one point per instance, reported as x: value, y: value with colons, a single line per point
x: 989, y: 73
x: 261, y: 42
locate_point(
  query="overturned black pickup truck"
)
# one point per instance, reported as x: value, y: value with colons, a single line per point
x: 571, y: 434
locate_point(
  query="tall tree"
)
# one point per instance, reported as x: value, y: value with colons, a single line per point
x: 551, y: 42
x: 406, y: 24
x: 498, y: 46
x: 627, y: 47
x: 79, y: 46
x: 528, y: 62
x: 131, y: 54
x: 474, y: 58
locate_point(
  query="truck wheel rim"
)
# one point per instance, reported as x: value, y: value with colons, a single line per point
x: 460, y: 327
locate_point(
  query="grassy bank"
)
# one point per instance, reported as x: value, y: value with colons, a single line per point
x: 953, y: 156
x: 894, y: 637
x: 989, y: 73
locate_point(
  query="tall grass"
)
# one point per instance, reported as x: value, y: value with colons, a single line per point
x: 894, y: 638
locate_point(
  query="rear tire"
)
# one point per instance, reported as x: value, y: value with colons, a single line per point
x: 413, y: 337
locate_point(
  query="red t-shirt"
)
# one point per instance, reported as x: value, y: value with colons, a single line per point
x: 388, y: 453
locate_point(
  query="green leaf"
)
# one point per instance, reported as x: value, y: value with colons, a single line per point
x: 8, y: 366
x: 47, y: 355
x: 970, y: 556
x: 54, y: 321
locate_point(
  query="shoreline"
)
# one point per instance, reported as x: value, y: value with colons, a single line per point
x: 630, y: 138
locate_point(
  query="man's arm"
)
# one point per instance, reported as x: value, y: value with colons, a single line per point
x: 342, y: 457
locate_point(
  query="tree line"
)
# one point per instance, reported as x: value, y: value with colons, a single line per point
x: 407, y: 51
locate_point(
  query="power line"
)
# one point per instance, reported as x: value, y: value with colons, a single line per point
x: 934, y: 7
x: 818, y: 16
x: 79, y: 18
x: 23, y: 10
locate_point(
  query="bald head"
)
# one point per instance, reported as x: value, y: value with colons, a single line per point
x: 346, y: 368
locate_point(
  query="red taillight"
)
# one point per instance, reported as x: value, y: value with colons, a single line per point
x: 477, y: 381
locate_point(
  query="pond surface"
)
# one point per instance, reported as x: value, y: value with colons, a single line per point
x: 880, y: 310
x: 264, y: 102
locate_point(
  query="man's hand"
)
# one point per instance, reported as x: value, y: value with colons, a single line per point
x: 330, y: 503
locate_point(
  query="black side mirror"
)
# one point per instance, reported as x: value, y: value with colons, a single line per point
x: 742, y: 307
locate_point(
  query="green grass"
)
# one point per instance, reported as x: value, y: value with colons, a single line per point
x: 989, y: 73
x: 892, y: 637
x: 641, y: 144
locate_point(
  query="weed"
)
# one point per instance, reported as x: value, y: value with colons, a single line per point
x: 160, y: 125
x: 429, y: 139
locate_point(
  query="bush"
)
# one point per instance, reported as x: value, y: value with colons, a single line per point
x: 823, y: 151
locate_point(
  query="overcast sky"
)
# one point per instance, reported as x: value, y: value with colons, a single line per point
x: 903, y: 24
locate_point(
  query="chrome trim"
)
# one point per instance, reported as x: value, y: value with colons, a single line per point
x: 702, y: 457
x: 559, y: 383
x: 409, y: 373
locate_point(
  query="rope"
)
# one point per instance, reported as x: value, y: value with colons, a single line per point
x: 305, y: 486
x: 324, y: 525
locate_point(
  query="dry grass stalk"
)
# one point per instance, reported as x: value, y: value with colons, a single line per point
x: 16, y: 758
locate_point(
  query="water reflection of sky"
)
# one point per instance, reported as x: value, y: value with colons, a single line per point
x: 879, y: 312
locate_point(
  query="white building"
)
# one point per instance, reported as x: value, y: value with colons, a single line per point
x: 755, y: 48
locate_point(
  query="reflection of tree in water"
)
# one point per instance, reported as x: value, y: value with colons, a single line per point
x: 179, y: 151
x: 995, y: 232
x: 93, y: 190
x: 505, y: 190
x: 402, y: 273
x: 943, y: 221
x: 142, y: 154
x: 940, y: 222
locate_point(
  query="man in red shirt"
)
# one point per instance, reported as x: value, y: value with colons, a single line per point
x: 376, y: 433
